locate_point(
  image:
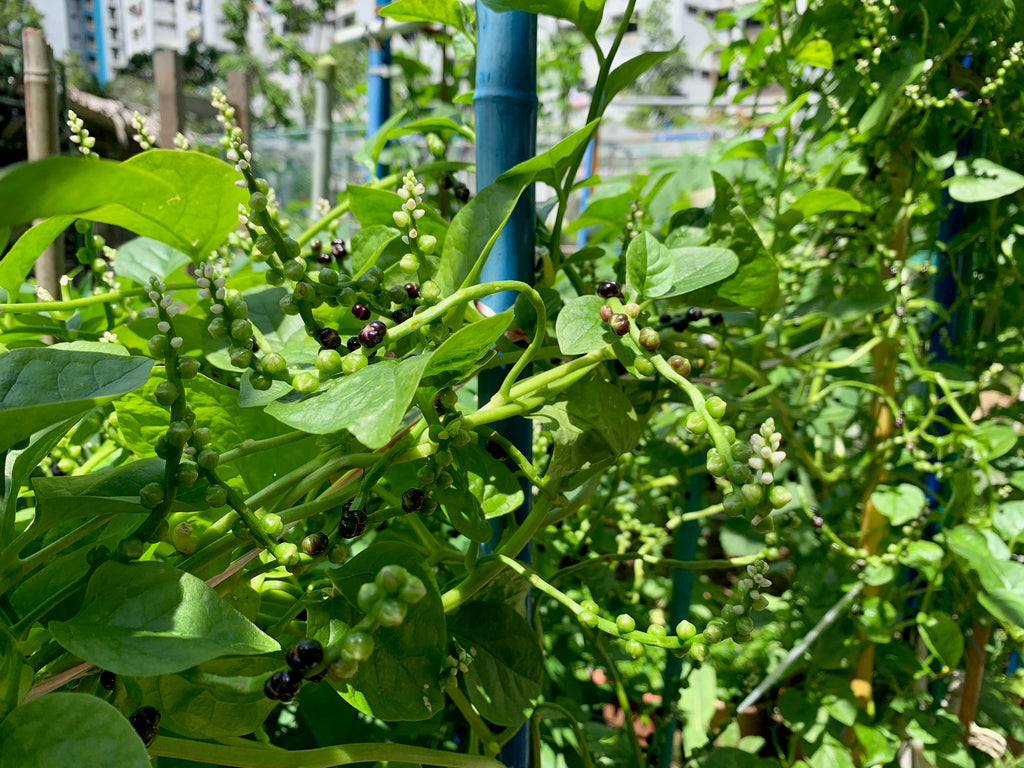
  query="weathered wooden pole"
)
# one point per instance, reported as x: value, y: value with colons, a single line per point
x: 168, y: 74
x: 238, y: 97
x: 42, y: 137
x: 323, y: 130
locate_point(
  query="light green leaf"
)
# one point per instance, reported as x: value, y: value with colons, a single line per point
x: 815, y: 53
x: 900, y: 503
x: 370, y: 403
x: 627, y: 73
x: 748, y: 148
x: 445, y: 11
x: 700, y: 266
x: 68, y: 730
x: 143, y: 257
x: 649, y: 268
x: 585, y: 14
x: 464, y: 348
x: 579, y: 327
x: 825, y: 199
x: 976, y: 180
x: 153, y: 619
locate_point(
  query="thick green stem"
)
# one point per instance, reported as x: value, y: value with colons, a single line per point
x: 324, y: 757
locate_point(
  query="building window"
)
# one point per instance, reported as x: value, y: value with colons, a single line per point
x: 348, y: 20
x: 632, y: 26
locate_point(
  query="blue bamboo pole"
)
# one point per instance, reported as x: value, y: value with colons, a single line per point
x: 378, y: 88
x: 505, y: 106
x: 589, y: 161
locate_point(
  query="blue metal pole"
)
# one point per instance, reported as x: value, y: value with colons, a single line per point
x: 505, y: 106
x: 589, y: 158
x: 378, y: 89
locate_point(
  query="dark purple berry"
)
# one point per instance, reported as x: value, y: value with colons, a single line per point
x: 323, y: 258
x: 338, y: 250
x: 361, y: 311
x: 353, y: 343
x: 316, y: 246
x: 619, y: 324
x: 665, y: 319
x: 716, y: 318
x: 329, y: 338
x: 608, y: 288
x: 304, y: 655
x: 680, y: 325
x: 315, y: 544
x: 108, y: 679
x: 462, y: 193
x: 283, y: 686
x: 412, y: 500
x: 352, y: 523
x: 145, y: 721
x: 253, y: 345
x: 694, y: 313
x: 372, y: 334
x: 412, y: 289
x: 402, y: 314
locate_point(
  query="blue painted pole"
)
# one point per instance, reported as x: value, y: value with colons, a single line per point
x: 505, y: 106
x: 378, y: 89
x: 589, y: 159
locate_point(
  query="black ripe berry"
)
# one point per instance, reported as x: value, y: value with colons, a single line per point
x: 412, y: 500
x: 304, y: 655
x: 283, y: 686
x: 323, y: 258
x: 693, y: 314
x: 338, y: 250
x: 145, y: 720
x: 108, y: 679
x: 680, y: 324
x: 665, y: 319
x: 361, y: 311
x: 372, y: 334
x: 412, y: 289
x: 352, y: 523
x: 315, y: 544
x: 329, y: 338
x: 402, y: 314
x: 716, y: 318
x: 353, y: 343
x: 461, y: 193
x: 608, y: 288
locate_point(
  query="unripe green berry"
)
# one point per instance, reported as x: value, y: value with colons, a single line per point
x: 779, y: 497
x: 685, y: 630
x: 328, y: 362
x: 696, y: 423
x: 265, y: 244
x: 353, y: 362
x: 588, y: 619
x: 369, y: 594
x: 208, y: 459
x: 734, y: 504
x: 151, y: 495
x: 392, y: 613
x: 305, y: 382
x: 713, y: 633
x: 427, y: 243
x: 292, y: 249
x: 157, y: 345
x: 187, y: 474
x: 430, y: 292
x: 744, y: 625
x: 165, y: 393
x: 294, y: 270
x: 273, y: 364
x: 287, y: 553
x: 339, y: 553
x: 413, y: 590
x: 738, y: 474
x: 391, y: 578
x: 698, y: 651
x: 625, y: 623
x: 357, y: 646
x: 409, y: 263
x: 218, y: 328
x: 635, y: 648
x: 178, y: 434
x: 715, y: 406
x: 216, y: 495
x: 680, y: 365
x: 258, y: 202
x: 650, y: 339
x: 240, y: 357
x: 188, y: 367
x: 182, y: 539
x: 716, y: 464
x: 273, y: 524
x: 658, y: 630
x: 752, y: 494
x: 643, y: 366
x: 241, y: 330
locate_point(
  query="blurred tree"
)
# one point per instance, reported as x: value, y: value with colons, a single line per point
x: 665, y: 78
x: 16, y: 14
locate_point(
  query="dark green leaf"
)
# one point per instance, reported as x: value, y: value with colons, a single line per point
x: 585, y: 14
x: 44, y: 386
x: 204, y: 702
x: 879, y: 744
x: 464, y: 512
x: 825, y: 199
x: 925, y: 556
x: 19, y: 464
x: 19, y: 260
x: 152, y: 619
x: 11, y: 665
x: 67, y: 730
x: 551, y: 166
x: 143, y: 257
x: 461, y: 350
x: 504, y: 677
x: 1009, y: 521
x: 579, y: 327
x: 491, y: 482
x: 400, y: 680
x: 370, y: 403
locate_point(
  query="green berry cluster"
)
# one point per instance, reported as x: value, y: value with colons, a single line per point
x: 750, y: 471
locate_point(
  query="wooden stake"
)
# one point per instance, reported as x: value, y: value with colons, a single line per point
x: 168, y: 74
